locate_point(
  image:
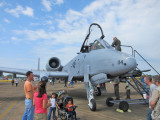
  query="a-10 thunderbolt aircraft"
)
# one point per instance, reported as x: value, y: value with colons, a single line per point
x: 96, y: 63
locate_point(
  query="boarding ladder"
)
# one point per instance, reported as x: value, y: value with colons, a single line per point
x: 138, y: 85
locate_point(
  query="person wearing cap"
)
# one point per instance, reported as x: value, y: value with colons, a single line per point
x: 116, y: 43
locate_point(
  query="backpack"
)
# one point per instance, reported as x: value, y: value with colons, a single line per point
x: 156, y: 112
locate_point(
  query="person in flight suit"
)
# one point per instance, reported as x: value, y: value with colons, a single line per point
x: 116, y: 43
x: 116, y: 88
x: 128, y: 87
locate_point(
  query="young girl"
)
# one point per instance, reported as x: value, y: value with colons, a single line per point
x: 40, y: 102
x: 53, y: 107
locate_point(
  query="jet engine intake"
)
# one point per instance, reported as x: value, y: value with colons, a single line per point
x: 54, y: 64
x: 44, y: 79
x: 99, y: 78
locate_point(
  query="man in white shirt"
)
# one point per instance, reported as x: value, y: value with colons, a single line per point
x: 17, y: 81
x: 148, y: 80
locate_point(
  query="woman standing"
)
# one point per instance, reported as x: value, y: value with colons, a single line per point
x: 40, y: 102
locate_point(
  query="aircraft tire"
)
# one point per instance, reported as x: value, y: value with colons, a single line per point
x: 98, y: 91
x: 123, y: 105
x: 108, y: 103
x: 93, y: 108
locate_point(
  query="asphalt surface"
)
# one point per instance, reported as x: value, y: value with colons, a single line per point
x: 12, y: 102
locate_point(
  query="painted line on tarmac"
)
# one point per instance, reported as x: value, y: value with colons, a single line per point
x: 4, y: 108
x: 9, y: 108
x: 6, y: 117
x: 2, y: 116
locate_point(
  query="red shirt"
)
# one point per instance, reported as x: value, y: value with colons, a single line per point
x: 69, y: 109
x: 39, y: 103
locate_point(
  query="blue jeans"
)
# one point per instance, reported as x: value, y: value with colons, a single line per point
x: 72, y: 113
x: 50, y: 112
x: 29, y: 110
x: 149, y: 114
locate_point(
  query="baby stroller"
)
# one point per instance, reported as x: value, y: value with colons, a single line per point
x: 63, y: 111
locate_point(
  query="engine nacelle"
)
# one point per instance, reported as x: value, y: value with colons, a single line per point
x: 44, y: 79
x: 54, y: 64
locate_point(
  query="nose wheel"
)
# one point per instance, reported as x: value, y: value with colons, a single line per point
x: 92, y: 105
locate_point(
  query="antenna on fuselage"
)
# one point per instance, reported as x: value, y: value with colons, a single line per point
x: 90, y: 33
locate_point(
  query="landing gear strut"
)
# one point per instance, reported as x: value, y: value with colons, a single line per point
x: 90, y: 96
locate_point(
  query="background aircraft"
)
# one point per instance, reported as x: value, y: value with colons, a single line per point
x: 96, y: 63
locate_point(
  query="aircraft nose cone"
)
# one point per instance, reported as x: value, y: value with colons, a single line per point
x: 131, y: 63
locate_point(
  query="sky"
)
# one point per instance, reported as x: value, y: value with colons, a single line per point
x: 32, y: 29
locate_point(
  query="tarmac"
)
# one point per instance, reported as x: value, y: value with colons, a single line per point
x: 12, y: 102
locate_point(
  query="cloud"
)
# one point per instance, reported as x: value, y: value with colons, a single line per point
x: 44, y: 23
x: 125, y: 19
x: 20, y: 10
x: 32, y: 35
x: 47, y: 4
x: 49, y: 22
x: 50, y: 37
x: 15, y: 39
x: 58, y: 2
x: 1, y: 4
x: 6, y: 20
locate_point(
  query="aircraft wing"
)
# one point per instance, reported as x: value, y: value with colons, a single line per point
x: 56, y: 74
x: 35, y: 72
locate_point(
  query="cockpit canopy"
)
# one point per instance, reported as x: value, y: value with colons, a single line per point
x: 97, y: 44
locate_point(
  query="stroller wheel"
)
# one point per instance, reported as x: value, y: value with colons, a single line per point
x: 55, y: 118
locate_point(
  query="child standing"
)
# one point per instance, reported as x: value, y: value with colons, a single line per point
x: 53, y: 106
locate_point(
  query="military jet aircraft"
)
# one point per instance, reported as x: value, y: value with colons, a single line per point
x: 96, y: 63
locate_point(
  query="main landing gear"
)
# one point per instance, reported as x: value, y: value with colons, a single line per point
x: 90, y: 95
x: 90, y: 90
